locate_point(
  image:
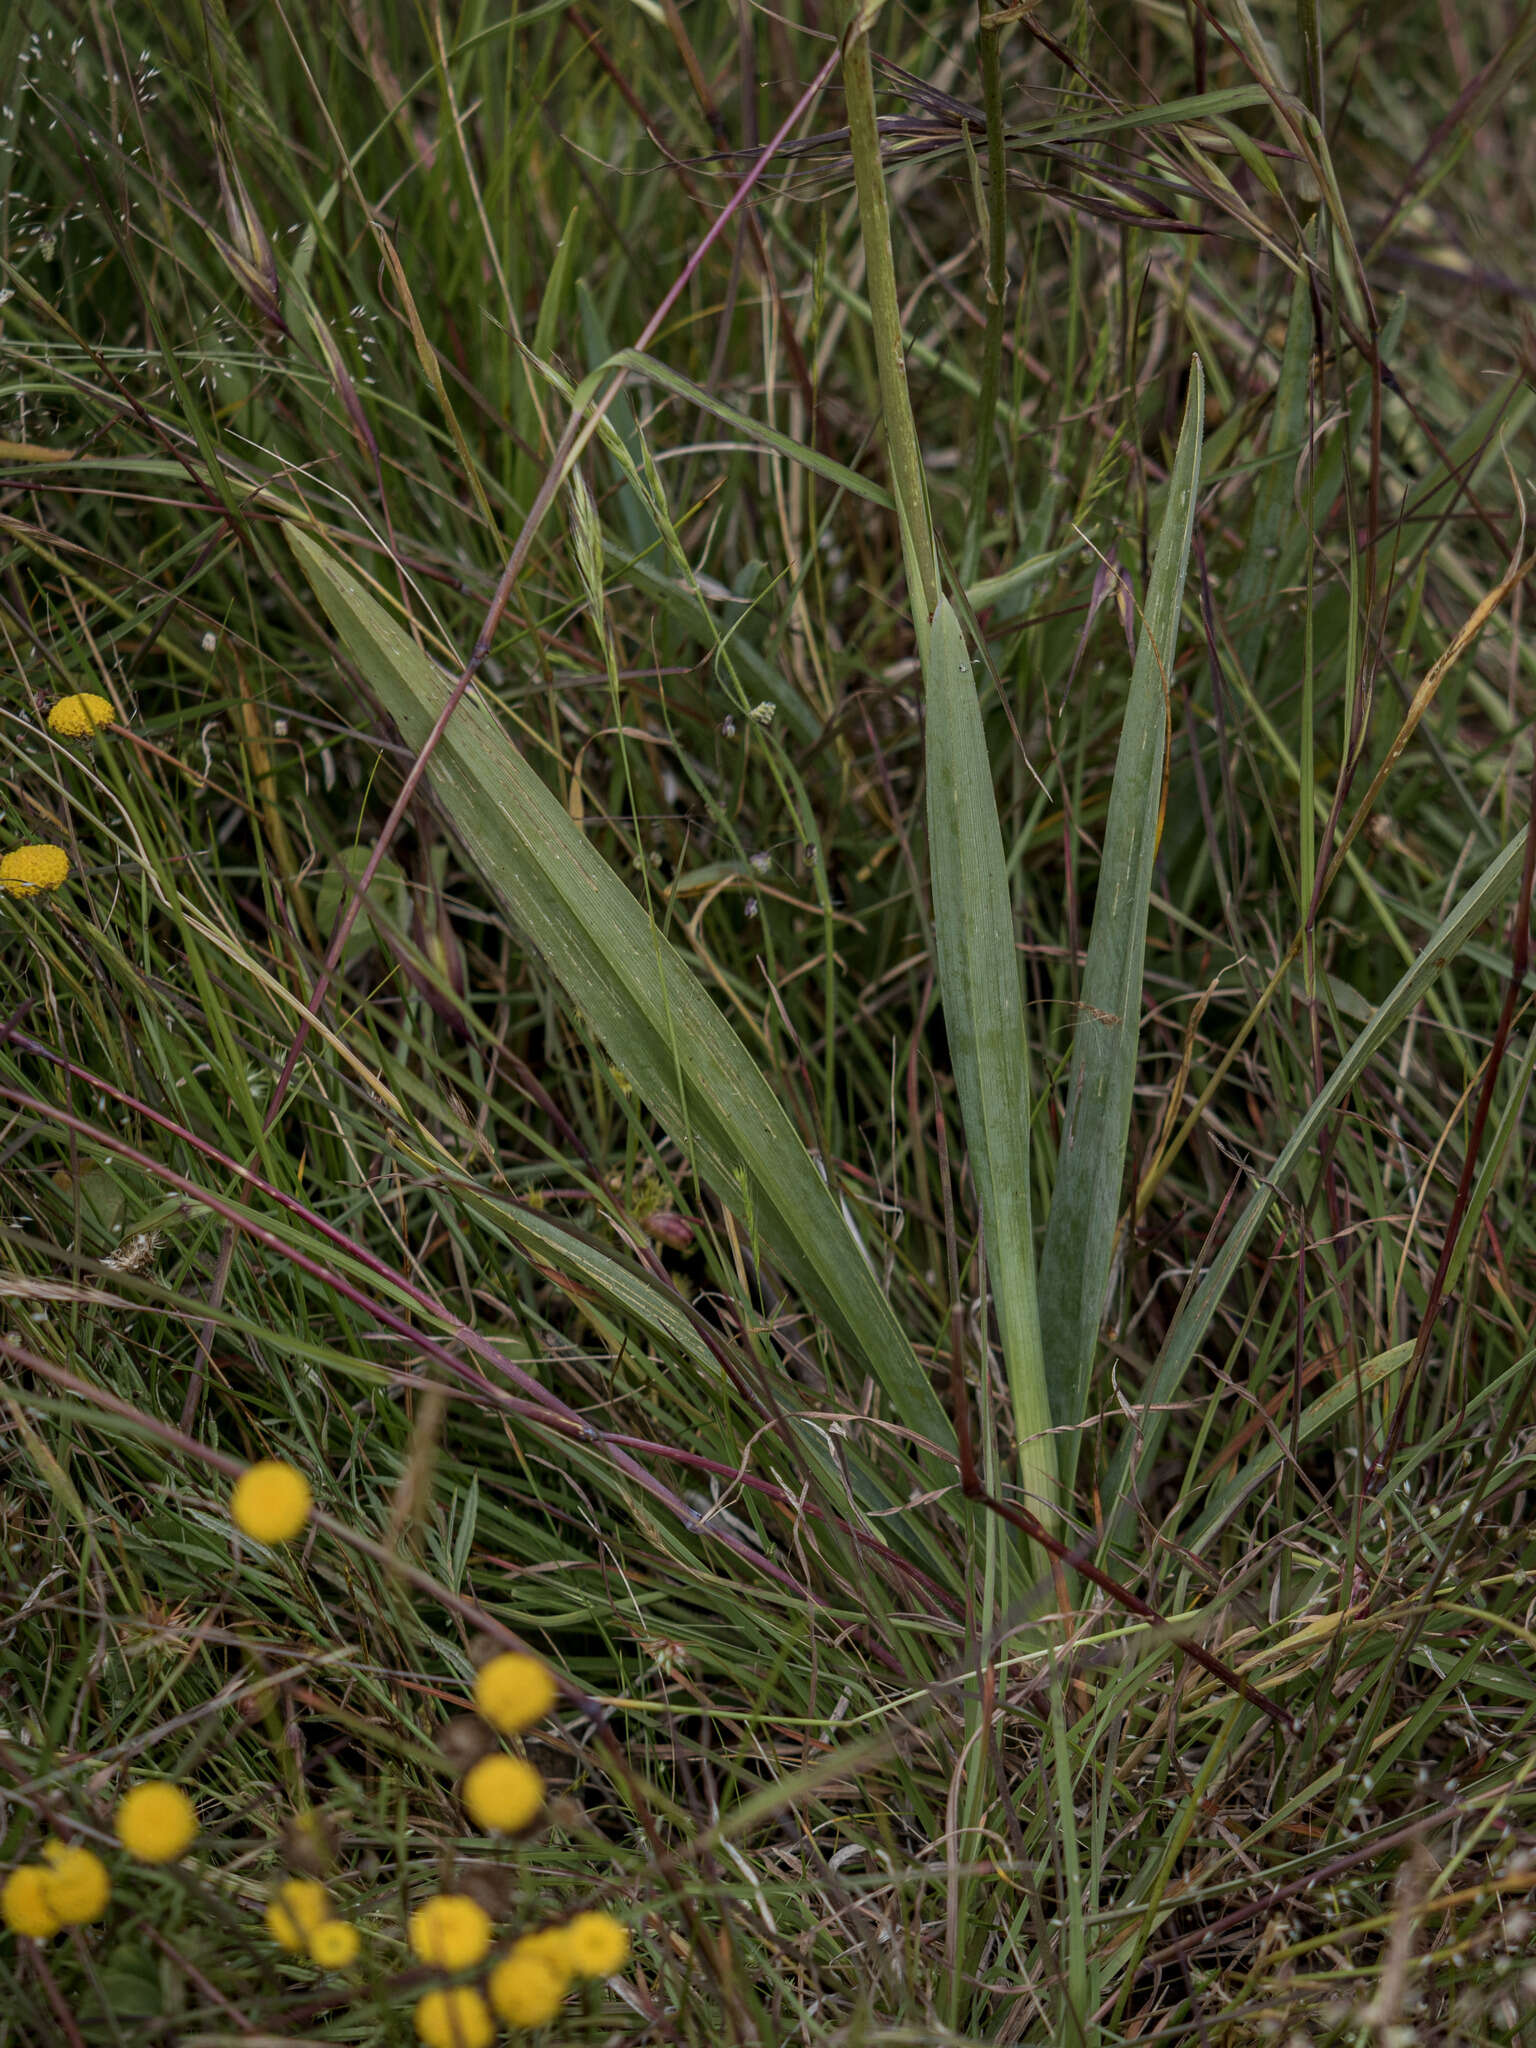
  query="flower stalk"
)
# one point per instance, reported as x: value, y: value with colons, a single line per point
x: 995, y: 222
x: 907, y: 484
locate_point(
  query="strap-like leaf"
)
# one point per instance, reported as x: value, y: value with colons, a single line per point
x: 984, y: 1023
x: 1090, y: 1167
x: 637, y: 993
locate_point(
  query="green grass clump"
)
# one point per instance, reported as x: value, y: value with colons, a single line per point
x: 570, y: 579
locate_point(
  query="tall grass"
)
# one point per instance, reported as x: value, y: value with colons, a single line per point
x: 579, y: 1013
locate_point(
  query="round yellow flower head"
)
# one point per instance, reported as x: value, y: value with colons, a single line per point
x: 271, y: 1501
x: 76, y: 718
x: 596, y: 1944
x: 512, y: 1692
x: 527, y: 1986
x: 549, y: 1945
x: 26, y: 870
x: 457, y: 2018
x: 502, y: 1793
x: 334, y: 1944
x: 298, y: 1907
x: 452, y: 1931
x: 25, y: 1906
x: 77, y: 1883
x: 156, y: 1822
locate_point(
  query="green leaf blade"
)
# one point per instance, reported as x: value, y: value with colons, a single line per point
x: 983, y: 1003
x: 638, y: 994
x: 1085, y: 1203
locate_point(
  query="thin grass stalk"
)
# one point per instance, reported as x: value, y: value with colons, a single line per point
x: 997, y: 298
x: 1137, y: 1452
x: 906, y: 461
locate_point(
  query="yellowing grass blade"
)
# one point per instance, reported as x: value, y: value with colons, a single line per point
x: 1090, y: 1167
x: 637, y: 993
x: 984, y: 1023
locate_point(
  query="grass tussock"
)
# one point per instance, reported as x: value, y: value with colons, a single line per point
x: 621, y: 1299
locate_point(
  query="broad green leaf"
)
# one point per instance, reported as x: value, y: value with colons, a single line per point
x: 1090, y: 1168
x: 983, y: 1003
x: 638, y: 994
x: 1188, y: 1332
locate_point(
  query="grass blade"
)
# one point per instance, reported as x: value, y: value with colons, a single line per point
x: 637, y: 992
x: 984, y: 1020
x: 1085, y: 1204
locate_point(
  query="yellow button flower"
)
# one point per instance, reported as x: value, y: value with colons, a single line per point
x: 156, y: 1822
x: 24, y: 1903
x: 596, y: 1944
x: 452, y: 1931
x: 271, y: 1501
x: 298, y: 1907
x: 77, y: 1883
x: 76, y: 718
x: 334, y: 1944
x: 457, y: 2018
x: 502, y: 1793
x: 26, y: 870
x: 549, y: 1945
x: 512, y: 1692
x: 526, y: 1987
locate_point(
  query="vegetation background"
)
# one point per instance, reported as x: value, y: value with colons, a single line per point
x: 388, y: 1200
